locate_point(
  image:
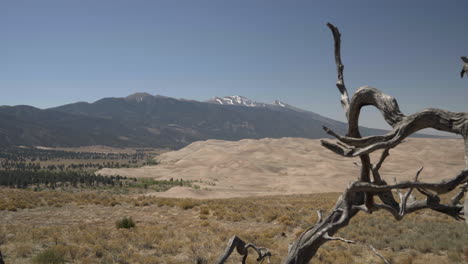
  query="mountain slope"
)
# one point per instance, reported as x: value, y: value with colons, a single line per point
x: 25, y: 125
x: 275, y: 105
x: 142, y: 120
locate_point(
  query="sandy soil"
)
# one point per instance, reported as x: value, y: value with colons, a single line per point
x: 249, y: 167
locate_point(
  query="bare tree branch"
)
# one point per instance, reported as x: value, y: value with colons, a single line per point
x: 243, y: 249
x: 402, y: 127
x: 405, y: 198
x: 384, y: 155
x: 358, y: 196
x: 353, y: 131
x: 319, y: 216
x: 234, y: 243
x: 457, y: 197
x: 441, y: 187
x: 339, y: 68
x: 465, y: 66
x: 326, y: 236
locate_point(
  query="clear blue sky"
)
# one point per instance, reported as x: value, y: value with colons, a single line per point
x: 63, y: 51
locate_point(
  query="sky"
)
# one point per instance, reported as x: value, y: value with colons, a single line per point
x: 63, y: 51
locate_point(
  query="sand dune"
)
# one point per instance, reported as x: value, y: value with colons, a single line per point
x: 289, y: 166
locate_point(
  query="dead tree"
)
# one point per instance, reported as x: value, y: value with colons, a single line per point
x: 465, y: 66
x: 359, y: 195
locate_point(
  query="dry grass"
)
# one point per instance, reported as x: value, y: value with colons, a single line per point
x: 82, y: 229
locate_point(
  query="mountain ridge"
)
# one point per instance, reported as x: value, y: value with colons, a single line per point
x: 144, y: 120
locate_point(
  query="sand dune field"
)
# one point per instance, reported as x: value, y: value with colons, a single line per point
x: 250, y: 167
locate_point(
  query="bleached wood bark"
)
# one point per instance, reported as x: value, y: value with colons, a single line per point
x: 358, y: 196
x: 465, y: 66
x: 466, y: 208
x: 243, y: 249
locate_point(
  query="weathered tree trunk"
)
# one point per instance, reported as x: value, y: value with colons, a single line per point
x: 466, y: 209
x: 306, y: 246
x: 358, y: 196
x: 466, y: 168
x: 466, y: 149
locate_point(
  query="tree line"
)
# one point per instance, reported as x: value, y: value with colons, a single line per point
x: 33, y: 154
x: 35, y: 166
x: 50, y: 179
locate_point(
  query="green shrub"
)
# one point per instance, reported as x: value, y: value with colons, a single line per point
x: 50, y: 256
x: 126, y: 222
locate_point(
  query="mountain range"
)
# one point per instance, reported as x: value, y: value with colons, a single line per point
x: 144, y: 120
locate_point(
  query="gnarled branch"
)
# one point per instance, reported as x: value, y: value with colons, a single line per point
x: 243, y: 249
x: 339, y: 68
x: 358, y: 196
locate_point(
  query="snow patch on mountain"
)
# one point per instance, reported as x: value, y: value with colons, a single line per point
x: 234, y: 100
x: 138, y: 97
x: 279, y: 103
x: 243, y: 101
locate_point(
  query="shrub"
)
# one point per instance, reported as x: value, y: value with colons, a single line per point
x: 200, y: 260
x: 126, y: 222
x: 50, y: 256
x: 23, y: 250
x: 454, y: 255
x: 188, y: 204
